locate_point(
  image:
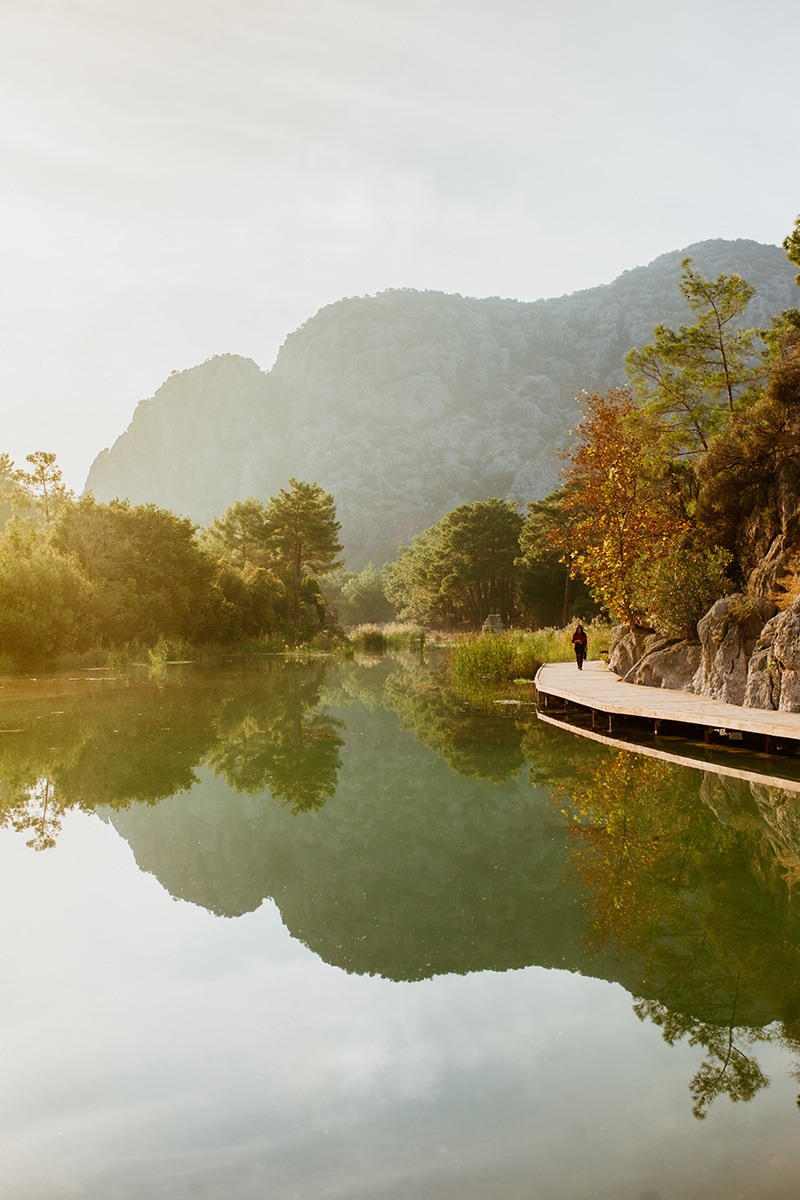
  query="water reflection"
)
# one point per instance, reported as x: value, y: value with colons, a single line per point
x: 405, y: 835
x: 140, y: 740
x: 283, y: 742
x: 708, y: 901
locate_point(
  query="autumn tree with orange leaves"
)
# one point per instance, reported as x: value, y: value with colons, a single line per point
x: 620, y: 510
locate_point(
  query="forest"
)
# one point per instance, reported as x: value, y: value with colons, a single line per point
x: 77, y: 575
x: 675, y: 490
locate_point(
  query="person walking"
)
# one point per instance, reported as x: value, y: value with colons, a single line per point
x: 580, y: 641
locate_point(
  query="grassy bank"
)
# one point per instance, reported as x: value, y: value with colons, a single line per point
x: 481, y: 659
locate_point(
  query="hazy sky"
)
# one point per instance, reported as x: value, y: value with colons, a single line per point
x: 182, y: 178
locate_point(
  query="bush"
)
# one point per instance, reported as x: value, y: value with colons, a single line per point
x: 404, y: 634
x: 47, y: 606
x: 682, y: 586
x: 369, y: 639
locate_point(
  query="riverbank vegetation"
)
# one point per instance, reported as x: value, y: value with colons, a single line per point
x: 516, y: 654
x: 125, y: 579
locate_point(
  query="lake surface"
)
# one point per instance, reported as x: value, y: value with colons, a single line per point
x: 314, y: 932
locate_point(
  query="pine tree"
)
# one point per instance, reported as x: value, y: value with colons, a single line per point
x: 303, y: 532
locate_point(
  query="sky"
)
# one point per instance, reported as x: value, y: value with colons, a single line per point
x: 184, y: 178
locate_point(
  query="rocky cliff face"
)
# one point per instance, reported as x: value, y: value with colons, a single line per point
x: 747, y: 653
x: 407, y: 404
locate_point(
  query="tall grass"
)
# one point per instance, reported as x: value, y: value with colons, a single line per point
x: 373, y: 639
x: 496, y: 658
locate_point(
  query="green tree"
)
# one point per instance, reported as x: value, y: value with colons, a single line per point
x: 243, y: 603
x: 691, y: 380
x: 303, y: 534
x: 15, y: 497
x: 48, y: 603
x: 752, y: 465
x: 791, y: 244
x: 547, y: 591
x: 150, y: 576
x: 462, y: 568
x: 679, y: 586
x: 241, y: 535
x: 363, y: 598
x: 45, y: 482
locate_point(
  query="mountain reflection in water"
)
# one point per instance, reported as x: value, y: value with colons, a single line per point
x: 404, y: 834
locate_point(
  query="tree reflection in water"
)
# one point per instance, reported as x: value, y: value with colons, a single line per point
x: 287, y: 746
x: 708, y: 903
x: 688, y: 897
x: 140, y: 740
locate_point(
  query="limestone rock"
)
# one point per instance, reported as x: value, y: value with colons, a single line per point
x: 728, y: 635
x: 628, y: 644
x: 773, y: 677
x: 769, y: 540
x: 407, y: 404
x: 667, y: 664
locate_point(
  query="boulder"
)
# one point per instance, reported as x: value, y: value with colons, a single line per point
x: 769, y: 539
x: 667, y: 664
x: 773, y: 676
x: 628, y: 644
x: 640, y: 655
x: 728, y: 635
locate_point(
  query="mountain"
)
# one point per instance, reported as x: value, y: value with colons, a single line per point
x: 406, y: 404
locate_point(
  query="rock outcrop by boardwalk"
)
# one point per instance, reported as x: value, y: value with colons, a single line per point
x: 602, y: 691
x: 747, y: 653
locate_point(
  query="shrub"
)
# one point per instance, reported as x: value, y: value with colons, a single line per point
x: 682, y: 586
x: 47, y: 606
x: 368, y: 638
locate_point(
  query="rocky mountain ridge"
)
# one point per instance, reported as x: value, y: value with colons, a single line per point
x: 406, y: 404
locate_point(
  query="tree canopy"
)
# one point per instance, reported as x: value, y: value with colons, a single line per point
x: 462, y: 568
x: 303, y: 534
x: 77, y: 574
x: 241, y: 535
x: 618, y: 511
x: 690, y: 380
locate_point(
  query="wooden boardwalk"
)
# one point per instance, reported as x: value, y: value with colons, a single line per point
x: 601, y: 691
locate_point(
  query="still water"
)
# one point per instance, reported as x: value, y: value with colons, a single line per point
x: 328, y: 933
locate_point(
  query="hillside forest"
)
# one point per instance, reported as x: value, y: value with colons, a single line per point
x: 675, y: 490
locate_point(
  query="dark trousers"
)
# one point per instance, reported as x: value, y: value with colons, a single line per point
x: 580, y: 655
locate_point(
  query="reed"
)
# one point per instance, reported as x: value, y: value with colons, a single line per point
x: 374, y: 639
x: 481, y: 658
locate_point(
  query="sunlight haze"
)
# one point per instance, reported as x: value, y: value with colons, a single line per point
x: 189, y: 179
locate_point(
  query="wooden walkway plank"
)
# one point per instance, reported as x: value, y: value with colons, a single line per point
x: 597, y: 687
